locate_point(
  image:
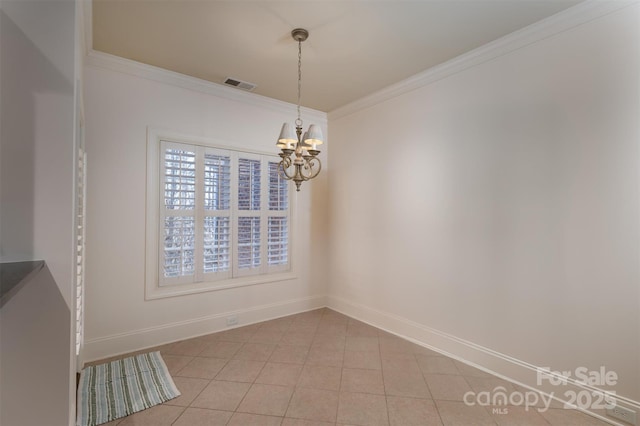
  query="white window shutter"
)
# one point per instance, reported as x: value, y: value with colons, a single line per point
x: 277, y: 220
x: 178, y: 222
x: 216, y: 256
x: 224, y: 214
x: 249, y: 249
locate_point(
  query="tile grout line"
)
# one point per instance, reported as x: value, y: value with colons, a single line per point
x: 179, y: 415
x: 384, y: 384
x: 342, y: 370
x: 235, y: 411
x: 294, y: 387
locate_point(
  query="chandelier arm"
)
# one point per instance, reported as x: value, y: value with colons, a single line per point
x: 283, y: 162
x: 283, y: 170
x: 286, y: 162
x: 310, y: 164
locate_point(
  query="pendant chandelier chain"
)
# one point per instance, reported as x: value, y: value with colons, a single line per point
x: 299, y: 120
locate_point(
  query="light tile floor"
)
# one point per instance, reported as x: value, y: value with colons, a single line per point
x: 323, y: 368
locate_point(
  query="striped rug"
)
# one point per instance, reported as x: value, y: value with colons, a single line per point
x: 120, y: 388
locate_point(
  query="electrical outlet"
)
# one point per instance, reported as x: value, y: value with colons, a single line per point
x: 232, y: 320
x: 623, y: 414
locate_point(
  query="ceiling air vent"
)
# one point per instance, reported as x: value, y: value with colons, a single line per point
x: 244, y: 85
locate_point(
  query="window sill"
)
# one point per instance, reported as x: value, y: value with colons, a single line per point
x: 157, y: 292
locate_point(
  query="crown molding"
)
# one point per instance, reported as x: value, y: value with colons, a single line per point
x: 127, y: 66
x: 560, y: 22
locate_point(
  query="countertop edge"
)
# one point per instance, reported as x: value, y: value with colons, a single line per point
x: 6, y: 295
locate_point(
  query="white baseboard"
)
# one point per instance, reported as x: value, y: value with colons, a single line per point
x: 514, y: 370
x: 122, y: 343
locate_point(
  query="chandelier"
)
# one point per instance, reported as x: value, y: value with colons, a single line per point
x: 299, y: 152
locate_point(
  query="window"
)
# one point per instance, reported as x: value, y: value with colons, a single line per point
x: 223, y: 218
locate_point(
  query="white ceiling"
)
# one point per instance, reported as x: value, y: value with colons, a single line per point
x: 354, y: 48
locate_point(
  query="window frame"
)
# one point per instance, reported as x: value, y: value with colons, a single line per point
x: 154, y: 214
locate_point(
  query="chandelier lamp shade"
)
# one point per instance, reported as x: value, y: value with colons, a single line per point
x: 299, y: 152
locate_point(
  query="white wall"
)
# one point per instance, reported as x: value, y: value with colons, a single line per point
x: 37, y: 135
x: 37, y: 114
x: 500, y: 206
x: 119, y: 108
